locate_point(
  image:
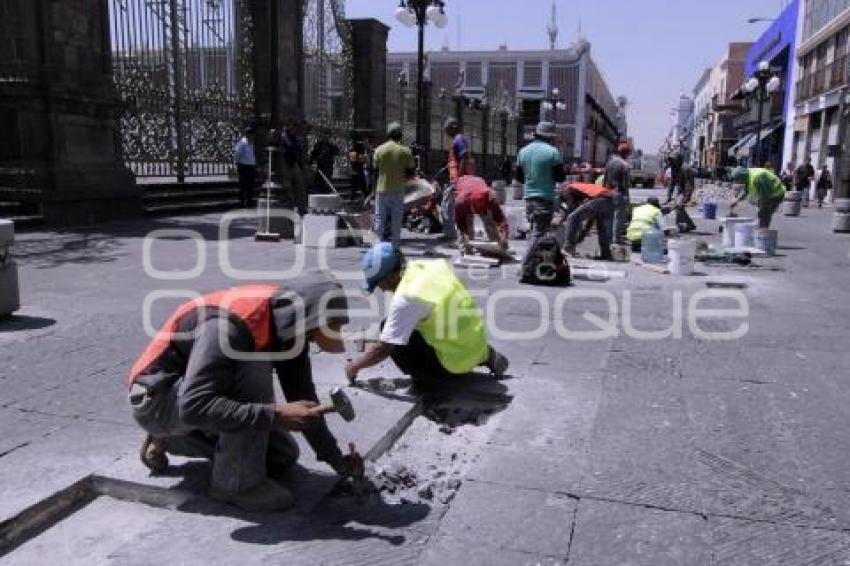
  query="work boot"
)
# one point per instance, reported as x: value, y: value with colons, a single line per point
x: 153, y: 454
x: 496, y: 363
x: 264, y: 497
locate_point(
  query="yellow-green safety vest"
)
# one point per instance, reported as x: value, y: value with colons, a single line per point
x: 777, y: 188
x: 643, y: 218
x: 454, y: 328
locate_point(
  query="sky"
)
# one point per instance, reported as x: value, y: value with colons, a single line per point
x: 648, y: 50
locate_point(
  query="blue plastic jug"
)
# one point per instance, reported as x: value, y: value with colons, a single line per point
x: 652, y: 246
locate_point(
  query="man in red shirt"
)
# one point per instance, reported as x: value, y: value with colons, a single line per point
x: 474, y: 197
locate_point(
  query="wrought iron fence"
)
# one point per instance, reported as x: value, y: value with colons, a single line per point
x: 184, y: 72
x: 488, y: 128
x: 328, y: 75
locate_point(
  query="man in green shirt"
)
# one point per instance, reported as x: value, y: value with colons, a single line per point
x: 395, y: 165
x: 763, y: 188
x: 539, y: 168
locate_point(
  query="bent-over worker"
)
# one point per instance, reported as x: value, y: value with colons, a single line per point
x: 644, y: 217
x: 586, y: 201
x: 763, y: 188
x: 474, y: 197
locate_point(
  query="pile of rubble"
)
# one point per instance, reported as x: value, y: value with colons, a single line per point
x: 724, y: 192
x: 428, y: 462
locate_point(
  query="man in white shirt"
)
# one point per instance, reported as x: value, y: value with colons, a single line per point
x: 246, y: 167
x: 433, y: 331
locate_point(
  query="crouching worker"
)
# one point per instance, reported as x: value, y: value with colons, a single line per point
x: 203, y: 387
x: 433, y: 331
x: 586, y: 203
x: 475, y: 198
x: 644, y: 217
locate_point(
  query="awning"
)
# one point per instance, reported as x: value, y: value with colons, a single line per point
x: 742, y: 144
x: 745, y: 144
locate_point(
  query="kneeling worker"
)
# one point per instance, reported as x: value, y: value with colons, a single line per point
x: 585, y: 202
x: 203, y: 387
x: 473, y: 198
x: 433, y: 330
x: 763, y: 188
x: 644, y: 217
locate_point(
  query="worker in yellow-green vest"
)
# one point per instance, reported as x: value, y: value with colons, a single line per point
x: 433, y: 330
x: 644, y: 217
x: 763, y: 188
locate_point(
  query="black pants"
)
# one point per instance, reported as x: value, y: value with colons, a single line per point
x: 247, y: 179
x: 419, y: 360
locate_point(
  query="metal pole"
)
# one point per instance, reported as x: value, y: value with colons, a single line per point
x: 420, y: 80
x: 177, y: 71
x: 760, y: 98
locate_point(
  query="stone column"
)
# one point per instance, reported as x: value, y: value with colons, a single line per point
x: 278, y: 60
x: 59, y: 110
x: 369, y: 43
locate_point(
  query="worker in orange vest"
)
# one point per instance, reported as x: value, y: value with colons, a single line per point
x: 586, y: 201
x: 203, y: 387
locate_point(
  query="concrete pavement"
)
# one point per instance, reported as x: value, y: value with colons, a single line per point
x: 613, y: 450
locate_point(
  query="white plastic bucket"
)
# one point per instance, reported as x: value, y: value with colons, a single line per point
x: 744, y: 235
x: 681, y: 254
x: 729, y: 224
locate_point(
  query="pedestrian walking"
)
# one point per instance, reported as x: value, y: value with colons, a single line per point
x: 763, y: 188
x: 824, y: 185
x: 787, y: 176
x: 803, y: 179
x: 246, y: 167
x: 539, y: 167
x: 395, y: 165
x: 203, y: 387
x: 618, y: 179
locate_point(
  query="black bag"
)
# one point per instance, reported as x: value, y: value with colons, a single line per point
x: 547, y: 264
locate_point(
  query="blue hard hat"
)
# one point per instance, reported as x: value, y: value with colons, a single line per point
x: 378, y: 262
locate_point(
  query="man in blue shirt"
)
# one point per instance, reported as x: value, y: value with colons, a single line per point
x: 246, y: 167
x: 539, y: 167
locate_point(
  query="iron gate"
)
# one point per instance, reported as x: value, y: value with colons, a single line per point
x: 184, y: 72
x: 328, y: 75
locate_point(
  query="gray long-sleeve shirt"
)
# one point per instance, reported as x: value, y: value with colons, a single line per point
x: 213, y: 389
x: 617, y: 176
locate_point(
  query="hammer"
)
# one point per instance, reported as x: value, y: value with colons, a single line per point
x: 341, y: 404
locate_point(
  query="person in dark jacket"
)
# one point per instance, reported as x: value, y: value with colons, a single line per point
x: 824, y: 185
x: 204, y: 386
x: 322, y: 156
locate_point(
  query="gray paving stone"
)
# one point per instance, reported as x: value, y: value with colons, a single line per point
x: 501, y: 516
x: 446, y: 549
x: 619, y: 535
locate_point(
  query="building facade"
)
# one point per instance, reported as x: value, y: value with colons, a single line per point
x: 821, y: 81
x: 590, y: 121
x: 715, y: 108
x: 772, y: 145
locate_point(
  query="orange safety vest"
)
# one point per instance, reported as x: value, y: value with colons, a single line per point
x: 249, y: 303
x: 458, y: 170
x: 591, y: 190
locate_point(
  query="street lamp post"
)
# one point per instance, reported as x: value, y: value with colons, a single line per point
x: 419, y: 13
x: 554, y: 102
x: 760, y: 87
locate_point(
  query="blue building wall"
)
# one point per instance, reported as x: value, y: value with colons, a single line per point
x: 780, y: 35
